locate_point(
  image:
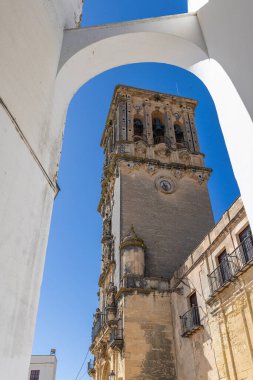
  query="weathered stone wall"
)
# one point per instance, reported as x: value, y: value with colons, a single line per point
x: 170, y: 224
x: 148, y: 337
x: 222, y: 347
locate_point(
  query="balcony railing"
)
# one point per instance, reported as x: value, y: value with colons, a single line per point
x: 91, y: 367
x: 98, y: 325
x: 232, y: 265
x: 190, y: 321
x: 116, y: 338
x: 222, y: 275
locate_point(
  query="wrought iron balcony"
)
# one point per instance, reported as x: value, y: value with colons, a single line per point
x: 242, y: 256
x: 116, y: 338
x: 91, y: 367
x: 230, y: 267
x: 98, y: 325
x: 222, y: 275
x: 190, y: 321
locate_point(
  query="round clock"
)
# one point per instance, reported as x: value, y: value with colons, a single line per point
x: 165, y: 185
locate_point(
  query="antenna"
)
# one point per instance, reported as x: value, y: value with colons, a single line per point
x: 177, y: 88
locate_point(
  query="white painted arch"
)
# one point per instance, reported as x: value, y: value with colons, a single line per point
x: 176, y: 40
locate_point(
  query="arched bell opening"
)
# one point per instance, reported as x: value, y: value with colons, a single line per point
x: 138, y: 129
x: 158, y: 128
x: 179, y: 136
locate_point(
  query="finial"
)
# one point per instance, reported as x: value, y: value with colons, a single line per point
x: 132, y: 239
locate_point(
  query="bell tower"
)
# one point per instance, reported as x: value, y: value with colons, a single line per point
x: 155, y: 208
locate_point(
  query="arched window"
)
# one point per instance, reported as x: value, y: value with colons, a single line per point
x: 138, y: 129
x: 158, y: 130
x: 179, y: 134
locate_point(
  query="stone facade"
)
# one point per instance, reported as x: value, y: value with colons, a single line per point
x: 158, y: 305
x: 222, y: 347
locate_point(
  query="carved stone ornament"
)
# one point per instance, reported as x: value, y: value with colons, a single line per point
x: 131, y: 166
x: 199, y: 175
x: 132, y: 239
x: 106, y: 258
x: 107, y: 226
x: 96, y: 315
x: 111, y: 293
x: 140, y: 149
x: 162, y: 150
x: 177, y: 173
x: 184, y: 156
x: 165, y: 185
x: 177, y: 115
x: 151, y: 169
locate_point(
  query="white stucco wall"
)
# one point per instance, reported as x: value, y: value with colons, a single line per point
x: 46, y: 364
x: 30, y: 39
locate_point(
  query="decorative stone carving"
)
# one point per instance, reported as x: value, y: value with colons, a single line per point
x: 177, y: 115
x: 162, y: 150
x: 131, y: 166
x: 131, y: 239
x: 111, y: 293
x: 199, y: 175
x: 151, y: 169
x: 165, y: 185
x: 184, y: 156
x: 106, y: 258
x: 140, y: 149
x: 96, y: 316
x: 177, y: 173
x: 107, y: 229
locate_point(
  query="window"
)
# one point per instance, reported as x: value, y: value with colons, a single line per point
x: 247, y: 244
x: 193, y: 300
x: 225, y: 271
x: 35, y: 374
x: 138, y: 128
x: 179, y: 134
x: 194, y: 309
x: 190, y: 321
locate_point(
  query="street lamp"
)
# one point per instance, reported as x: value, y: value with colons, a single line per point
x: 112, y: 375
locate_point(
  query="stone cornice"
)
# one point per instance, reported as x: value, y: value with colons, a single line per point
x: 115, y: 160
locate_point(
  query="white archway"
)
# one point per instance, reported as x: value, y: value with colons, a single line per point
x: 89, y: 60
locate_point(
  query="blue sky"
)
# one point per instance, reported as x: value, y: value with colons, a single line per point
x: 68, y: 294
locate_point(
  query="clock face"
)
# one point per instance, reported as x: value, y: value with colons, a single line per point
x: 165, y: 185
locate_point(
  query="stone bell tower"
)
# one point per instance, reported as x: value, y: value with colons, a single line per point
x: 155, y: 208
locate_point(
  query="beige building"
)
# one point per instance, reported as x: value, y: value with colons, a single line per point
x: 43, y: 367
x: 168, y: 310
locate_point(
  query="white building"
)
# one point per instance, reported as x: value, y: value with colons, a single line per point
x: 43, y: 367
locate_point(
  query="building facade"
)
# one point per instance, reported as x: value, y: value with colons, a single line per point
x: 158, y: 305
x: 43, y: 367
